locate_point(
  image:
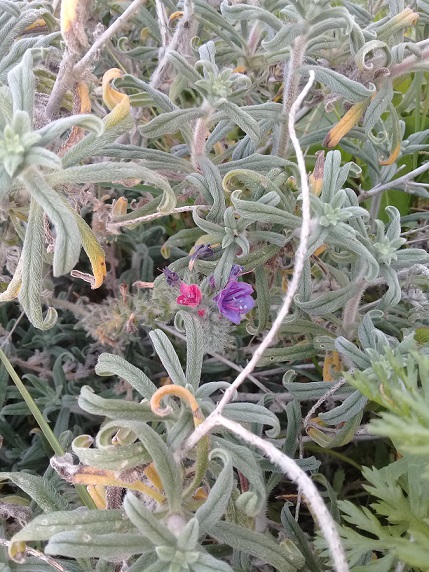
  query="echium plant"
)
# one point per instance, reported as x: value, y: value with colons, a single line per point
x: 158, y: 506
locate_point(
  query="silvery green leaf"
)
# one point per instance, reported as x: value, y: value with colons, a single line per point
x: 293, y: 325
x: 241, y: 118
x: 113, y: 545
x: 287, y: 354
x: 33, y: 252
x: 352, y: 91
x: 39, y: 489
x: 194, y: 349
x: 341, y: 437
x: 330, y: 175
x: 160, y: 99
x: 182, y: 66
x: 109, y: 364
x: 10, y: 8
x: 188, y: 538
x: 361, y: 15
x: 341, y: 240
x: 114, y: 408
x: 312, y: 390
x: 167, y: 354
x: 6, y: 106
x: 93, y: 144
x: 170, y: 122
x: 329, y: 302
x: 212, y: 20
x: 263, y: 301
x: 40, y: 157
x: 208, y: 563
x: 22, y: 85
x: 252, y: 413
x: 152, y: 528
x: 283, y: 38
x: 249, y: 503
x: 367, y: 330
x: 239, y: 12
x: 245, y: 461
x: 214, y: 185
x: 260, y: 211
x: 352, y: 353
x: 153, y: 158
x: 45, y: 526
x: 110, y: 172
x: 256, y: 162
x: 294, y: 422
x: 20, y: 47
x: 213, y: 508
x: 261, y: 546
x: 407, y: 257
x: 371, y: 46
x: 111, y: 457
x: 352, y: 405
x: 163, y: 460
x: 67, y: 242
x: 56, y: 128
x: 295, y: 533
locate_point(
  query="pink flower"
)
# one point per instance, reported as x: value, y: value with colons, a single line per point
x: 190, y: 295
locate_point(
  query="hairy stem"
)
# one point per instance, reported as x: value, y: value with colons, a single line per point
x: 290, y: 92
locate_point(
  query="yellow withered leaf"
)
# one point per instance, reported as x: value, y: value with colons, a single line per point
x: 94, y: 252
x: 14, y: 285
x: 72, y: 22
x: 347, y: 122
x: 117, y: 102
x: 393, y: 155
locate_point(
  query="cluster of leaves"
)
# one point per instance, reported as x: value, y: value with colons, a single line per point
x: 195, y: 127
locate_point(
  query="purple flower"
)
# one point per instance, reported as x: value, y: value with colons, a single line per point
x: 235, y: 272
x: 203, y: 251
x: 172, y: 278
x: 235, y: 299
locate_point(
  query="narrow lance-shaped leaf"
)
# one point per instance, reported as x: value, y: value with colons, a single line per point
x: 109, y: 364
x: 32, y: 271
x: 215, y: 505
x: 67, y: 241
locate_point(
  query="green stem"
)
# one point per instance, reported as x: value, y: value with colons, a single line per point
x: 42, y: 423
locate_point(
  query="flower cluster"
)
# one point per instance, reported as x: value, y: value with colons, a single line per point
x: 233, y: 301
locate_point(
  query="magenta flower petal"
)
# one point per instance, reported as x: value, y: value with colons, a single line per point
x: 190, y: 295
x: 234, y: 300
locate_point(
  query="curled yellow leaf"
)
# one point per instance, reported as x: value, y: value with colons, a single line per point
x: 39, y: 23
x: 175, y: 16
x: 316, y: 177
x: 393, y: 155
x: 347, y: 122
x: 117, y: 102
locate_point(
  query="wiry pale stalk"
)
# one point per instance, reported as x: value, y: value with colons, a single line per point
x: 182, y: 35
x: 398, y: 183
x: 91, y: 54
x: 290, y: 89
x: 153, y: 216
x: 293, y: 286
x: 307, y: 487
x: 200, y: 135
